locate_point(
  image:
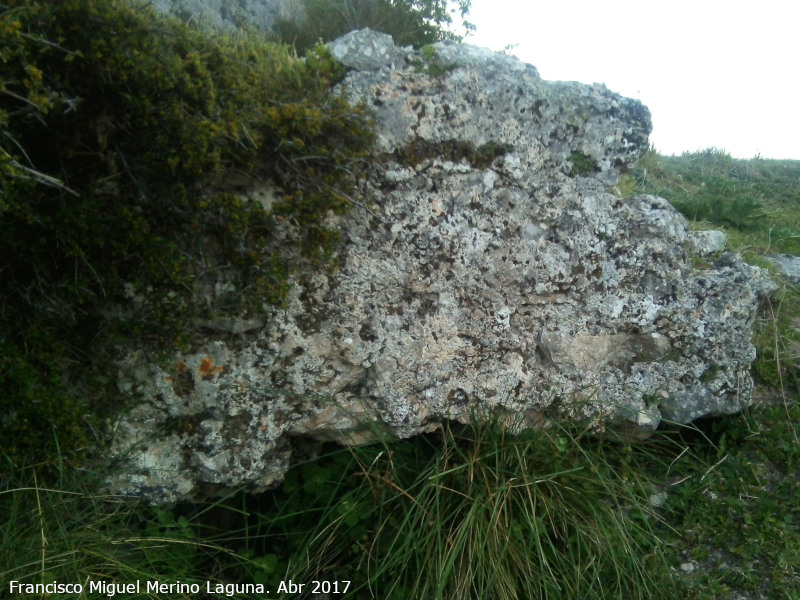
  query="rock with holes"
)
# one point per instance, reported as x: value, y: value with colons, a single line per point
x: 495, y: 271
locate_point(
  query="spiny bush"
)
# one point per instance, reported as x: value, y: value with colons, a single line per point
x: 119, y: 131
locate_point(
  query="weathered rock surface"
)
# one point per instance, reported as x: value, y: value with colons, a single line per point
x: 225, y: 14
x: 366, y: 50
x: 495, y: 271
x: 789, y: 266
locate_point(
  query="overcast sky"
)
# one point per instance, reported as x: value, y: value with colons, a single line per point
x: 721, y: 74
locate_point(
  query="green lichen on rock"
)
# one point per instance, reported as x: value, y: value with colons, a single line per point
x: 122, y: 134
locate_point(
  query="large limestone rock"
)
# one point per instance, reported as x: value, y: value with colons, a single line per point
x: 495, y: 271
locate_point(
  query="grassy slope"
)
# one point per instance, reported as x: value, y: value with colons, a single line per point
x: 757, y: 201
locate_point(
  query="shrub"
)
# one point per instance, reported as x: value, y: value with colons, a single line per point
x: 119, y: 131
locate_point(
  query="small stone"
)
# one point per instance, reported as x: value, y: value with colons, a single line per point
x: 788, y: 265
x: 703, y: 243
x: 366, y: 50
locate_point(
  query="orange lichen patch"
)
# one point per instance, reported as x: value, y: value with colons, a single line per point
x: 207, y: 369
x: 180, y: 367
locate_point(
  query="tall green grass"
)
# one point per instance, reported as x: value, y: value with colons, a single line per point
x: 64, y: 530
x: 469, y: 511
x: 475, y: 511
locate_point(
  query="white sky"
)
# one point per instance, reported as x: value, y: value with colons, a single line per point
x: 714, y: 74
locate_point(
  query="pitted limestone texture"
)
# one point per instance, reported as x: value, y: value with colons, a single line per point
x: 510, y: 284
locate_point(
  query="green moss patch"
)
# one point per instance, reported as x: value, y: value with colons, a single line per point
x: 456, y: 151
x: 581, y: 164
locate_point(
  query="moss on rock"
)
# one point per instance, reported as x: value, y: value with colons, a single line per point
x: 121, y: 135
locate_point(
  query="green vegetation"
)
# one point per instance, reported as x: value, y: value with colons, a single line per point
x: 581, y: 164
x: 755, y: 201
x: 455, y: 151
x: 469, y: 511
x: 119, y: 145
x: 472, y: 510
x: 120, y: 142
x: 429, y: 63
x: 738, y: 513
x: 410, y: 22
x: 476, y: 512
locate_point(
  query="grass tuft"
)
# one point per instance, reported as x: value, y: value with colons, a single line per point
x: 475, y: 511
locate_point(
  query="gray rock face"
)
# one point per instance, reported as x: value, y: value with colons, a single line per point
x: 366, y: 50
x: 703, y: 243
x: 494, y: 272
x: 225, y: 14
x: 788, y: 265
